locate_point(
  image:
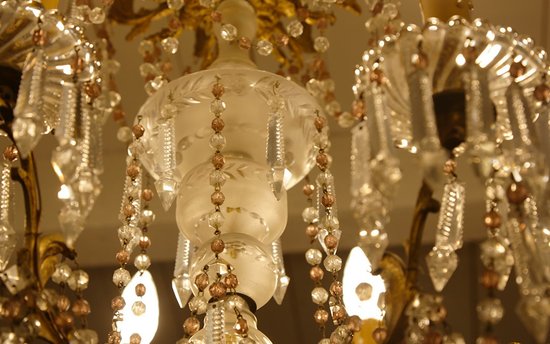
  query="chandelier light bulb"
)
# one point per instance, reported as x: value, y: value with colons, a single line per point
x: 146, y: 323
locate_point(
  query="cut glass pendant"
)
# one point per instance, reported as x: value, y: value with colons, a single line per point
x: 167, y: 189
x: 72, y: 223
x: 323, y: 234
x: 442, y: 263
x: 14, y: 279
x: 181, y: 285
x: 280, y: 291
x: 374, y: 244
x: 27, y: 131
x: 7, y: 244
x: 534, y: 311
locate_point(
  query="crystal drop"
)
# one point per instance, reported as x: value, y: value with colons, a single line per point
x: 181, y: 286
x: 78, y: 281
x: 175, y: 4
x: 323, y: 234
x: 295, y: 28
x: 321, y: 44
x: 170, y: 45
x: 84, y: 336
x: 146, y: 47
x: 319, y: 295
x: 14, y: 279
x: 154, y: 85
x: 229, y: 32
x: 198, y: 304
x: 86, y: 188
x: 7, y: 244
x: 72, y: 224
x: 264, y: 47
x: 534, y: 315
x: 346, y: 120
x: 215, y: 219
x: 148, y: 69
x: 142, y: 261
x: 217, y: 178
x: 217, y: 106
x: 64, y: 161
x: 442, y: 263
x: 275, y: 177
x: 61, y: 273
x: 374, y: 244
x: 124, y: 134
x: 363, y: 291
x: 121, y: 277
x: 136, y: 148
x: 97, y: 15
x: 217, y: 141
x: 138, y: 308
x: 310, y: 215
x: 314, y: 256
x: 333, y: 263
x: 167, y: 190
x: 280, y: 291
x: 490, y: 311
x: 27, y: 132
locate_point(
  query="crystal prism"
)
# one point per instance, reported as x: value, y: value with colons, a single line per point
x: 86, y: 188
x: 167, y: 189
x: 534, y: 313
x: 72, y: 224
x: 275, y: 178
x: 442, y: 263
x: 64, y: 161
x: 27, y: 131
x: 15, y: 279
x: 7, y: 243
x: 450, y: 226
x: 280, y: 290
x: 374, y: 244
x: 181, y: 285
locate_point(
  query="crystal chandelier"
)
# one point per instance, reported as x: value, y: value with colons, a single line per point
x: 226, y: 142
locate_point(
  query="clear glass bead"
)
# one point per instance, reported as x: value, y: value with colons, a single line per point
x: 138, y: 308
x: 390, y: 10
x: 321, y: 44
x: 146, y: 47
x: 170, y: 45
x: 319, y: 295
x: 310, y: 214
x: 217, y: 141
x: 198, y: 304
x: 264, y: 47
x: 175, y: 4
x: 142, y: 261
x: 333, y: 263
x: 148, y: 69
x: 61, y: 273
x: 295, y: 28
x: 490, y: 311
x: 216, y: 219
x: 124, y: 134
x: 78, y: 280
x: 314, y: 256
x: 229, y: 32
x: 147, y: 217
x: 97, y: 15
x: 217, y: 177
x: 346, y: 120
x: 121, y: 277
x: 217, y: 106
x: 363, y: 291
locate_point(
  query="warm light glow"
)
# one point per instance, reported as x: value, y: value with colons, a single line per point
x: 146, y: 324
x: 460, y: 60
x: 64, y: 192
x: 488, y: 54
x: 356, y: 271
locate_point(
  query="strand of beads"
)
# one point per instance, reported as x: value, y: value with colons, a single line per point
x: 128, y: 233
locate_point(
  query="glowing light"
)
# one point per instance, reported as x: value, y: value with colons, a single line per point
x: 65, y: 69
x: 460, y: 60
x: 64, y: 192
x: 146, y: 324
x: 488, y: 54
x: 357, y: 271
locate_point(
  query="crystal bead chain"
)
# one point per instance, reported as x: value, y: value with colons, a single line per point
x: 129, y: 234
x: 275, y: 143
x: 7, y: 233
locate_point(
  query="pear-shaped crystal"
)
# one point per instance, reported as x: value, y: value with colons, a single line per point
x: 181, y: 285
x: 86, y: 188
x: 374, y: 244
x: 280, y: 291
x: 27, y: 131
x: 7, y: 243
x: 534, y: 312
x: 167, y: 189
x: 64, y: 161
x: 72, y: 223
x: 276, y: 177
x: 442, y: 263
x: 323, y: 232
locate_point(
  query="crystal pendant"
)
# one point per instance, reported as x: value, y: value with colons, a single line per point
x: 282, y: 279
x: 275, y: 151
x: 86, y: 187
x: 64, y: 161
x: 7, y: 243
x: 72, y: 223
x: 442, y: 263
x: 534, y: 312
x: 15, y: 279
x: 374, y: 243
x: 167, y: 191
x: 27, y: 131
x: 181, y: 286
x: 323, y: 232
x: 450, y: 226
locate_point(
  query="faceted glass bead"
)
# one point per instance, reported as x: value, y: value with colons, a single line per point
x: 321, y: 44
x: 72, y: 224
x: 295, y: 28
x: 61, y: 273
x: 154, y: 85
x: 121, y: 277
x: 374, y: 243
x: 175, y: 4
x: 217, y: 177
x: 333, y: 263
x: 314, y: 256
x: 96, y: 15
x: 170, y: 45
x: 310, y: 215
x: 217, y: 141
x: 346, y: 120
x: 319, y: 295
x: 142, y: 261
x: 216, y: 219
x: 228, y: 32
x: 110, y: 66
x: 124, y: 134
x: 442, y: 263
x: 138, y: 308
x: 146, y: 47
x: 147, y: 217
x: 490, y: 310
x: 78, y: 280
x: 390, y: 10
x: 7, y: 243
x: 198, y: 304
x: 149, y: 69
x: 363, y: 291
x: 264, y: 47
x: 217, y: 106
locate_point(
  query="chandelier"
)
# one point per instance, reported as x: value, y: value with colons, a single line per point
x: 224, y: 143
